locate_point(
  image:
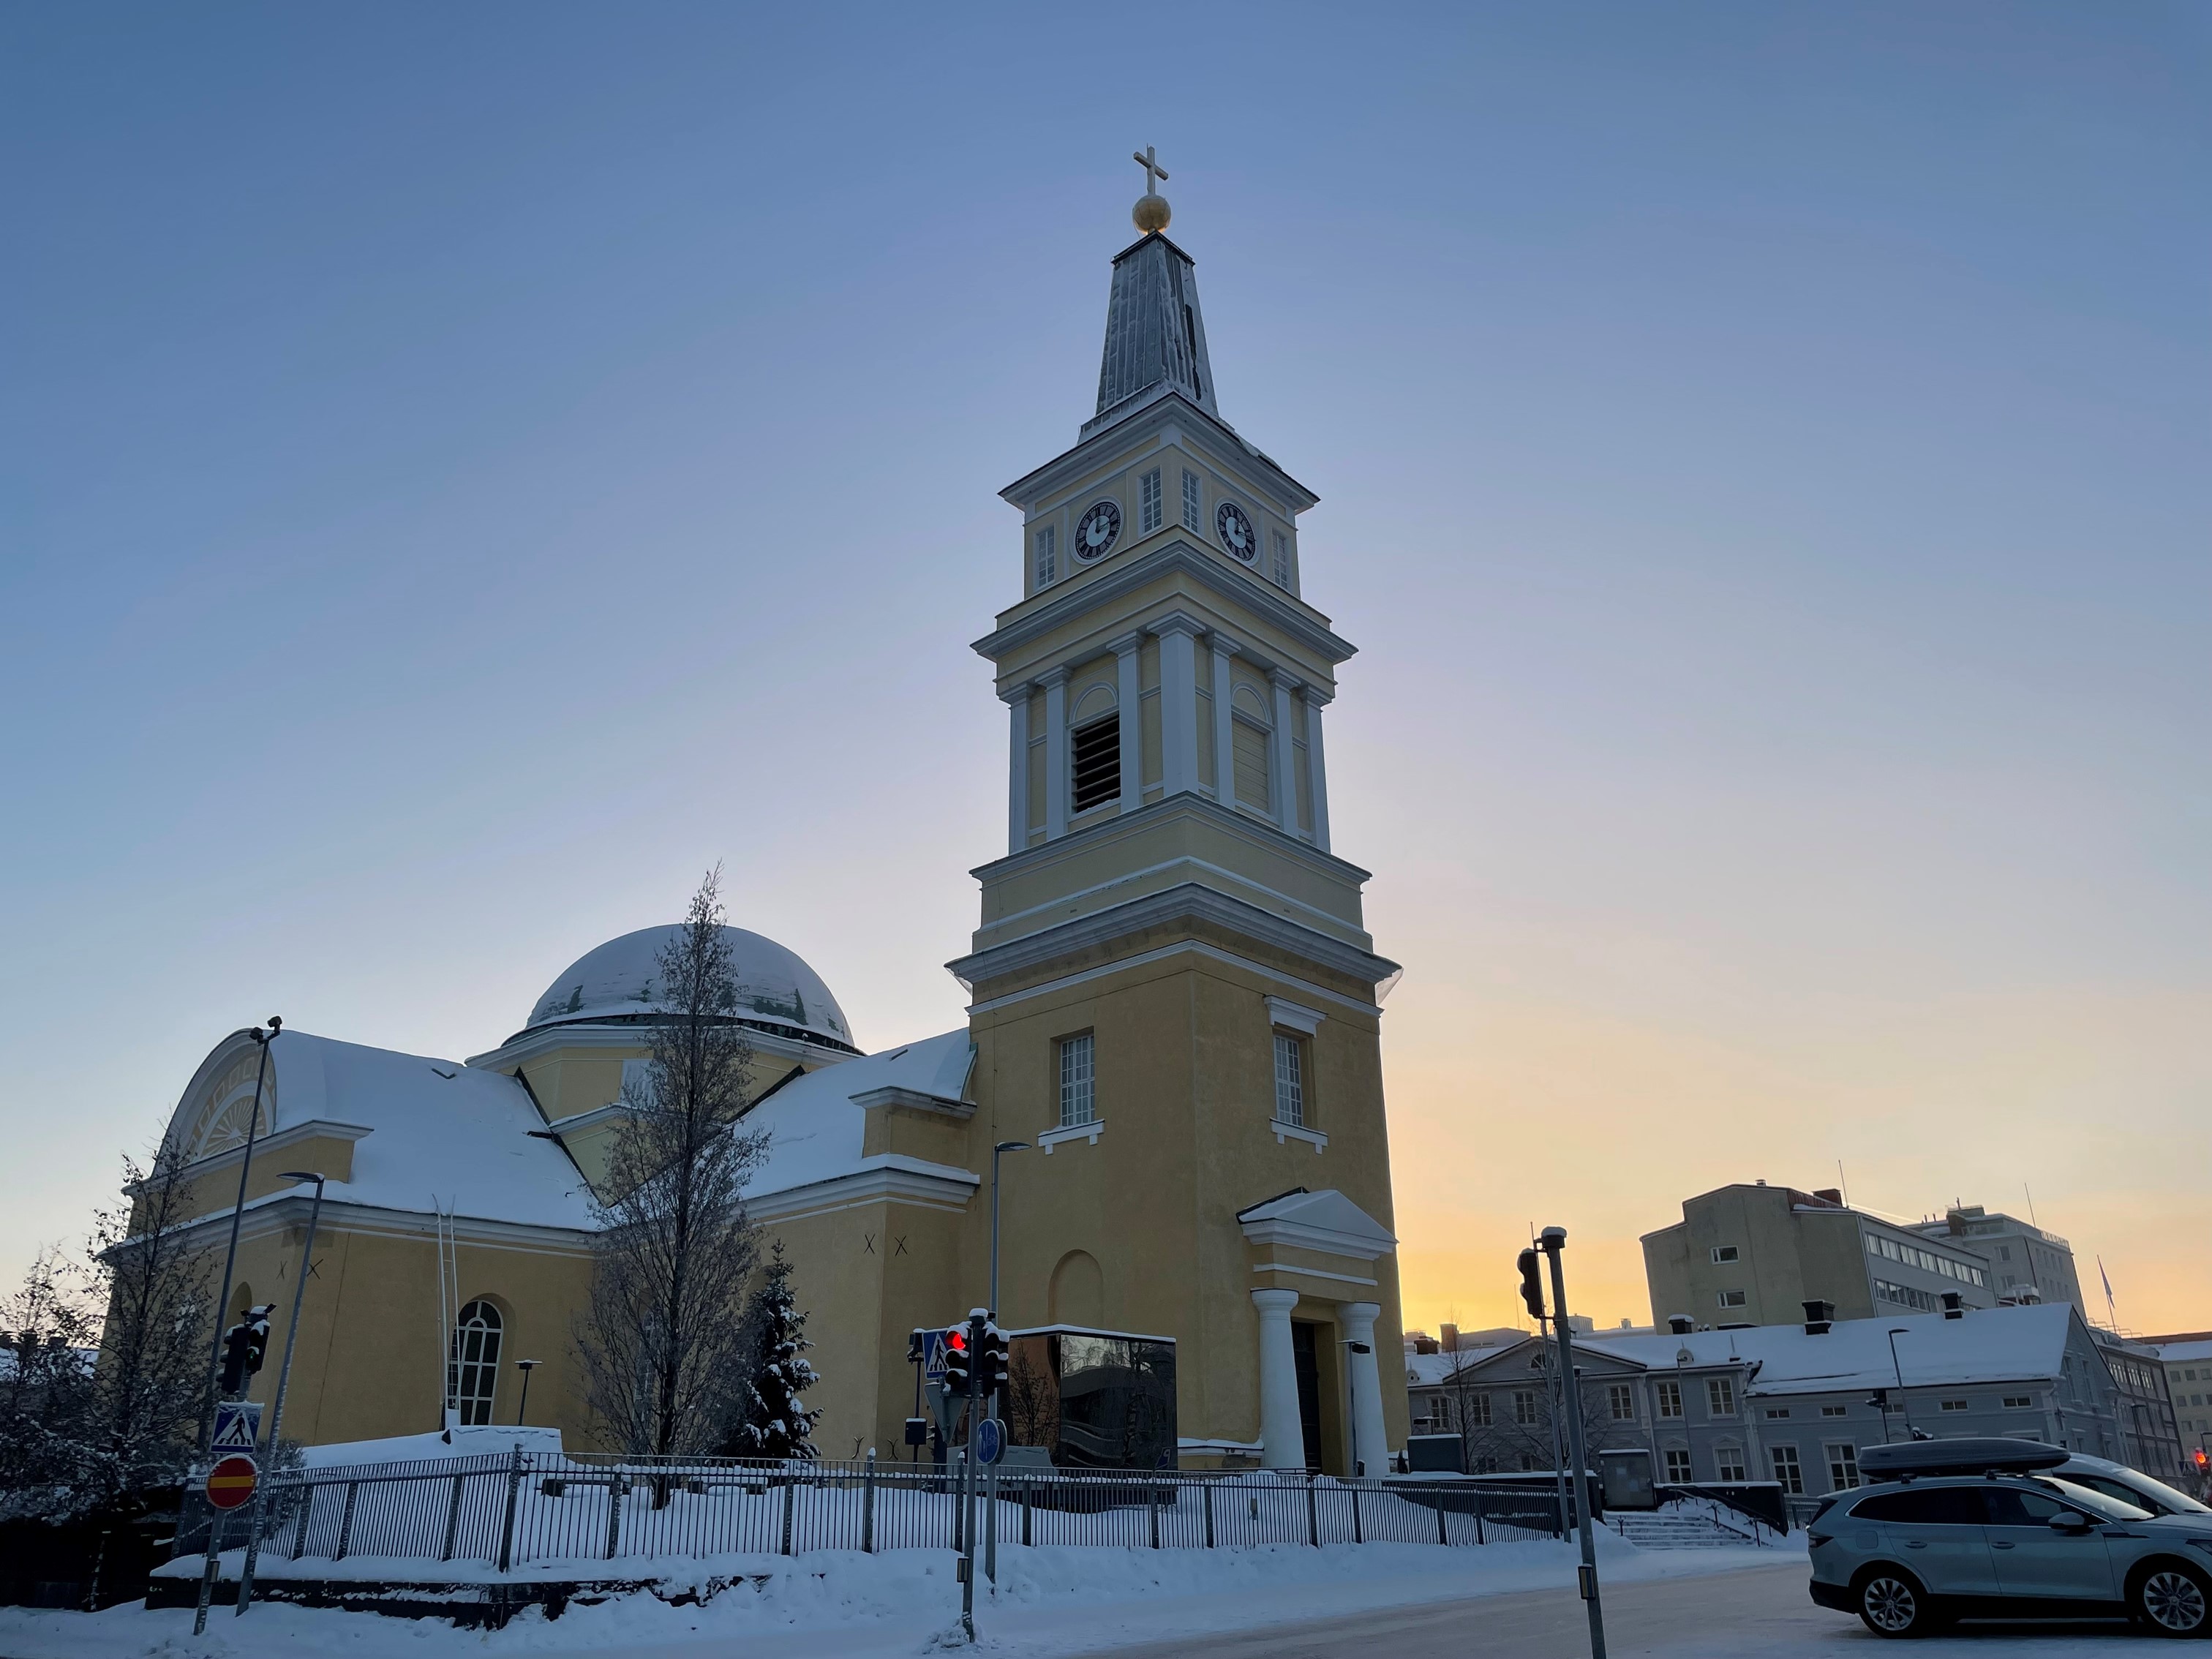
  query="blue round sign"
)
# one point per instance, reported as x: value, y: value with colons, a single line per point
x: 990, y: 1440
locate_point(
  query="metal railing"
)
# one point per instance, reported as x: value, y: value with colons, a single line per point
x: 533, y: 1508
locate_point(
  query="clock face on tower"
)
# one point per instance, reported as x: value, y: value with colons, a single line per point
x: 1236, y: 531
x: 1096, y: 531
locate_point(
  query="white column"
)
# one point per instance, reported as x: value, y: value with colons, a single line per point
x: 1280, y: 751
x: 1055, y: 753
x: 1282, y: 1439
x: 1225, y: 726
x: 1132, y: 713
x: 1369, y: 1437
x: 1018, y: 769
x: 1317, y: 771
x: 1178, y: 704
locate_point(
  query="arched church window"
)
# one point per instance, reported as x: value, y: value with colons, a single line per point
x: 1249, y: 733
x: 1095, y: 752
x: 472, y: 1364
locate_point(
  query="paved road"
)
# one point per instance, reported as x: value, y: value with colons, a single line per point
x: 1760, y: 1611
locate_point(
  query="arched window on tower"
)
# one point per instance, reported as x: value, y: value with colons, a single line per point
x: 1249, y: 730
x: 473, y: 1364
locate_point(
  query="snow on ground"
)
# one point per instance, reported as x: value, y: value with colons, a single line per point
x: 841, y: 1605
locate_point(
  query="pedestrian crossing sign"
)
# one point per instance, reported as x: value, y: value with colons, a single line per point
x: 237, y: 1427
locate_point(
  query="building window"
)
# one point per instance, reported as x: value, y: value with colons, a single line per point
x: 1529, y: 1464
x: 1835, y: 1411
x: 1777, y: 1410
x: 1290, y: 1079
x: 1678, y: 1465
x: 1097, y: 762
x: 1248, y: 739
x: 472, y: 1364
x: 1723, y: 1253
x: 1048, y: 558
x: 1282, y: 560
x: 1077, y: 1104
x: 1622, y: 1400
x: 1148, y: 502
x: 1720, y: 1396
x: 1956, y: 1405
x: 1842, y: 1467
x: 1728, y: 1462
x: 1786, y: 1469
x: 1193, y: 513
x: 1476, y: 1410
x: 1732, y: 1299
x: 2019, y: 1402
x: 1524, y: 1407
x: 1670, y: 1398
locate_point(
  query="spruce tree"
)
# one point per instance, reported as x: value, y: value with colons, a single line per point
x: 776, y: 1422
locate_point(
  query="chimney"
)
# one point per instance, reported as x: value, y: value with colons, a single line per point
x: 1448, y: 1337
x: 1680, y: 1324
x: 1833, y: 1194
x: 1819, y: 1315
x: 1954, y: 1305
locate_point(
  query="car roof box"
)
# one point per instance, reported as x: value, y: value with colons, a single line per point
x: 1967, y: 1455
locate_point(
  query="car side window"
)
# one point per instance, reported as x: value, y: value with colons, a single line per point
x: 1924, y: 1506
x: 2112, y: 1488
x: 2011, y: 1507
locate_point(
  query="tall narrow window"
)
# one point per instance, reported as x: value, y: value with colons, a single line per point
x: 472, y: 1364
x: 1290, y: 1079
x: 1048, y: 558
x: 1148, y: 502
x: 1192, y: 510
x: 1620, y: 1399
x: 1670, y: 1398
x: 1728, y: 1462
x: 1077, y: 1102
x: 1678, y: 1464
x: 1787, y: 1469
x: 1842, y: 1467
x: 1098, y: 763
x: 1282, y: 560
x: 1720, y: 1396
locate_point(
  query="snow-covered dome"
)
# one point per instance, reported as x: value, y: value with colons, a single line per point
x: 616, y: 983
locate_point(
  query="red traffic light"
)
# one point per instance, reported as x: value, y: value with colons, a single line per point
x: 956, y: 1338
x: 2201, y: 1458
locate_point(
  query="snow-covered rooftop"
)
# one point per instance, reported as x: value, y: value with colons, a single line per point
x: 615, y: 981
x: 1428, y: 1370
x: 1989, y: 1345
x: 816, y: 1127
x: 2182, y: 1353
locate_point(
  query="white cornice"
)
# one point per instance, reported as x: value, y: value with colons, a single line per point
x: 1303, y: 1235
x: 1168, y: 410
x: 1180, y: 947
x: 914, y: 1100
x: 528, y: 1047
x: 314, y: 1128
x: 1057, y: 607
x: 274, y: 1212
x: 1257, y: 832
x: 887, y: 1177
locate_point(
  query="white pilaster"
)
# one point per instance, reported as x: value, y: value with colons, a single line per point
x: 1369, y: 1437
x: 1178, y: 704
x: 1280, y: 748
x: 1132, y: 713
x: 1282, y: 1439
x: 1055, y: 753
x: 1018, y: 769
x: 1224, y: 725
x: 1316, y: 770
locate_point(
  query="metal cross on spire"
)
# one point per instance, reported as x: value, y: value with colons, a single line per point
x: 1153, y: 170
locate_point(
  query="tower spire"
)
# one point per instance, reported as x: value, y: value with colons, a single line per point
x: 1155, y: 337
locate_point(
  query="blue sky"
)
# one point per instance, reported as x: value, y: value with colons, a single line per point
x: 469, y: 470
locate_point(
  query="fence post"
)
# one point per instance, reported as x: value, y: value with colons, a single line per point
x: 1356, y: 1537
x: 514, y: 1497
x: 790, y: 1486
x: 868, y: 1506
x: 452, y: 1519
x: 307, y: 1504
x: 1029, y: 1489
x: 345, y: 1521
x: 1478, y: 1516
x: 617, y: 1485
x: 1208, y: 1490
x: 1155, y: 1507
x: 1313, y: 1513
x: 1443, y: 1532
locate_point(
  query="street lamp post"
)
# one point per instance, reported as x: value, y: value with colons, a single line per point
x: 283, y: 1382
x: 1903, y: 1404
x: 525, y: 1366
x: 1351, y: 1401
x: 1553, y: 1241
x: 262, y: 1039
x: 1002, y: 1147
x: 991, y: 1548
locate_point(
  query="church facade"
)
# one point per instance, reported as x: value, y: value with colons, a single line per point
x: 1174, y: 1004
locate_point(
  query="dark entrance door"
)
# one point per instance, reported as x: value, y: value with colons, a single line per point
x: 1305, y: 1350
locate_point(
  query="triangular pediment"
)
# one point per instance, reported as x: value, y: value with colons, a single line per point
x: 1326, y: 1220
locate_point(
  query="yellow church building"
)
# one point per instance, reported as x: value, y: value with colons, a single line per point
x: 1173, y: 1002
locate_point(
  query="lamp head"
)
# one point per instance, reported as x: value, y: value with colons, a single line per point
x: 301, y: 1174
x: 1012, y: 1146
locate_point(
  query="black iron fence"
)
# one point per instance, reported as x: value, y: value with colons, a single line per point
x: 527, y: 1508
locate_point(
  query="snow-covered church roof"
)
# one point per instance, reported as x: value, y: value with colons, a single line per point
x: 818, y: 1123
x: 616, y: 983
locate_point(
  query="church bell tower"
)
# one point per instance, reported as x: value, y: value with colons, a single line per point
x: 1174, y: 998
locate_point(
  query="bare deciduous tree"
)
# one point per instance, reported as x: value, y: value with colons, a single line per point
x: 663, y: 1341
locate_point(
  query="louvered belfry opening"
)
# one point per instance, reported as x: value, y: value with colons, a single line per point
x: 1098, y: 760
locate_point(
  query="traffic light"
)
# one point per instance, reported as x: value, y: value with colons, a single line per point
x: 1879, y: 1399
x: 2202, y: 1460
x: 991, y: 1361
x: 1532, y: 1283
x: 957, y: 1359
x: 244, y: 1346
x: 917, y: 1346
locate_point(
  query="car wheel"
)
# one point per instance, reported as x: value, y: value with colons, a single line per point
x: 2172, y: 1599
x: 1893, y: 1604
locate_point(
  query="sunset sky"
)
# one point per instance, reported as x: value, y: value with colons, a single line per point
x: 469, y: 469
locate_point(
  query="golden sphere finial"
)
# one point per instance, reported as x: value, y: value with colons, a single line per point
x: 1151, y: 213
